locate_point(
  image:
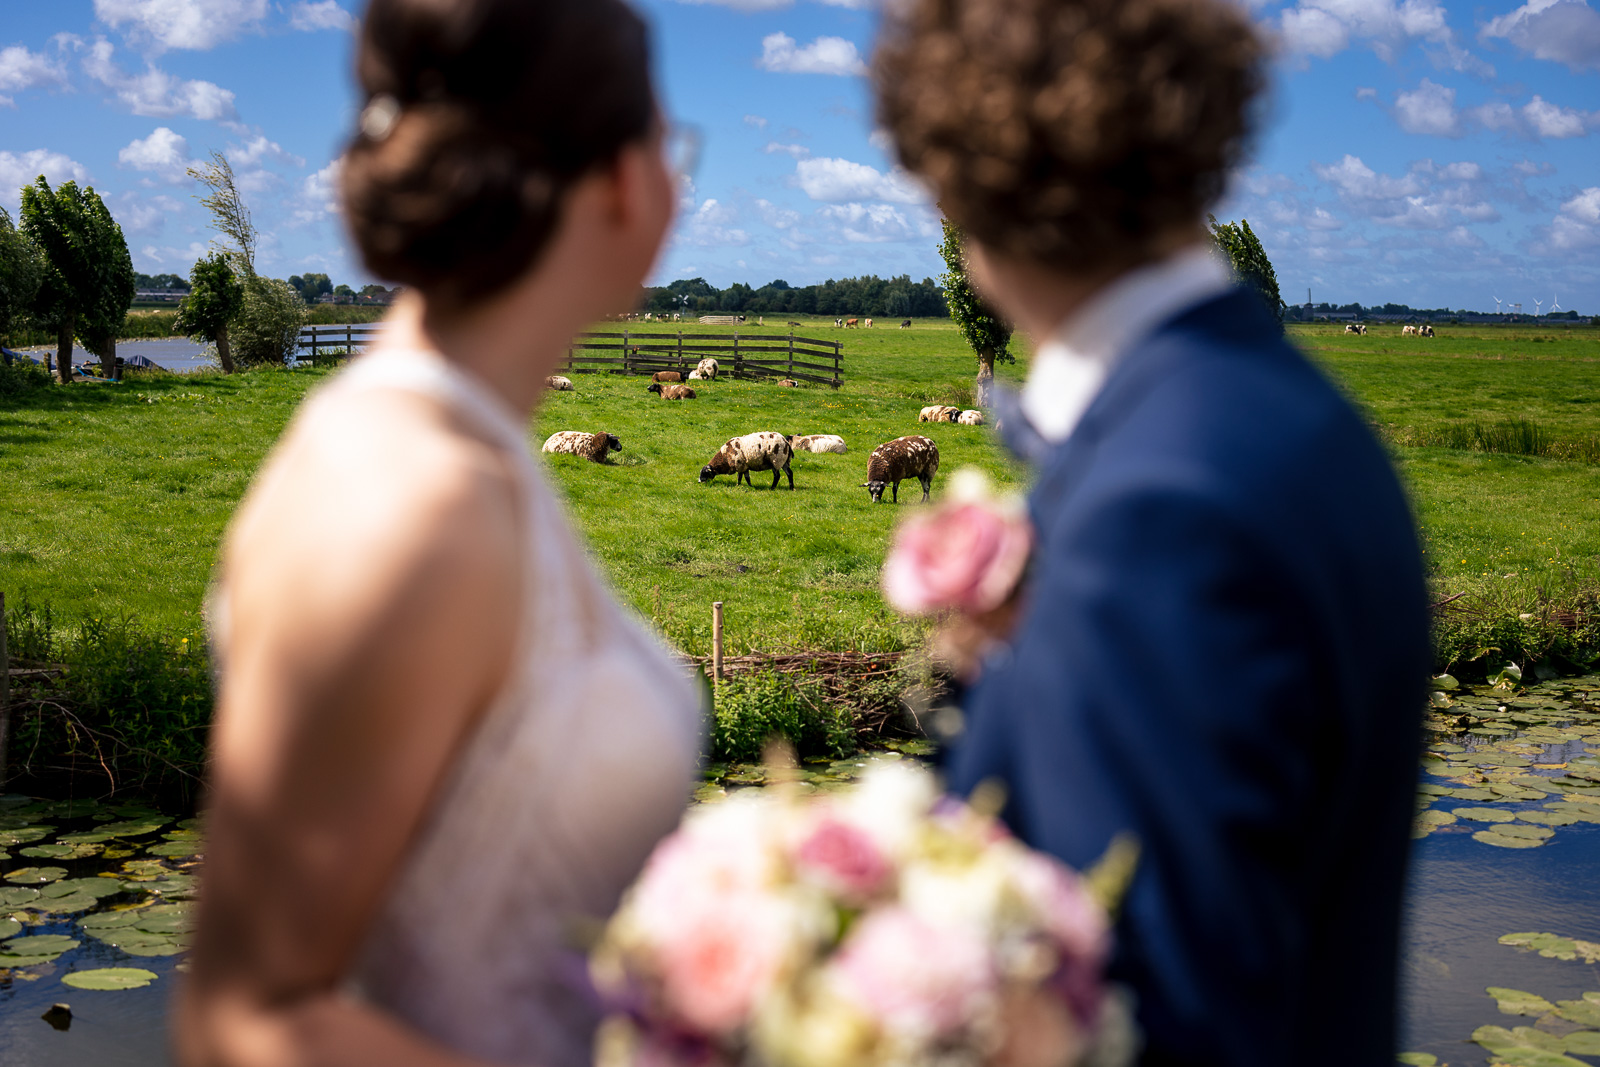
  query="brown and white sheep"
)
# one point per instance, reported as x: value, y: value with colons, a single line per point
x: 707, y: 368
x: 559, y: 383
x: 895, y: 461
x: 818, y: 442
x: 939, y: 413
x: 970, y: 417
x: 764, y: 450
x: 789, y: 383
x: 671, y: 391
x: 595, y: 446
x: 667, y: 376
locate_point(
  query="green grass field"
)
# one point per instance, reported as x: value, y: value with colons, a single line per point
x: 113, y: 499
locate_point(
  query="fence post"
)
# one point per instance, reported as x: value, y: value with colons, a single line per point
x: 716, y: 642
x: 349, y: 343
x: 836, y: 381
x: 736, y: 353
x: 627, y: 354
x: 569, y: 357
x: 5, y: 691
x: 313, y: 344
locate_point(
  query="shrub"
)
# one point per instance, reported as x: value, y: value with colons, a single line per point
x: 751, y: 710
x: 268, y: 328
x: 23, y: 376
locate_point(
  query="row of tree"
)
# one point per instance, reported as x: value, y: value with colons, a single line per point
x: 899, y: 298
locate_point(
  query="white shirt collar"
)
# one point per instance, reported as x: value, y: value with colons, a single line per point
x: 1070, y: 368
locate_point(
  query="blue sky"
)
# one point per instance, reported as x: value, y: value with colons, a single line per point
x: 1429, y: 154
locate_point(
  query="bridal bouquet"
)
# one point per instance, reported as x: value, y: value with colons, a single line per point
x: 886, y: 926
x: 966, y: 559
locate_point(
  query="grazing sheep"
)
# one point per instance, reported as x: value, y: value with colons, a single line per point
x: 939, y: 413
x: 671, y: 391
x: 970, y: 417
x: 667, y: 376
x: 708, y: 368
x: 559, y: 383
x: 789, y: 383
x: 818, y: 442
x: 895, y: 461
x: 761, y: 451
x: 595, y: 446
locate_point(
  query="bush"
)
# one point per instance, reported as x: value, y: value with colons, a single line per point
x: 268, y: 328
x: 751, y: 710
x: 22, y: 377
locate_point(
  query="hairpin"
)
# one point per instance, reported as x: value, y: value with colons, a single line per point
x: 378, y: 118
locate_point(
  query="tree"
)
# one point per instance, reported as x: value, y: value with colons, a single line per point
x: 20, y: 274
x: 228, y: 212
x: 1249, y: 261
x: 311, y: 286
x: 215, y: 300
x: 268, y: 327
x: 982, y: 328
x: 343, y: 294
x: 87, y: 280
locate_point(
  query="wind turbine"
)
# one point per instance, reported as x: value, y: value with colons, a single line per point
x: 1555, y: 305
x: 1538, y: 306
x: 1497, y: 302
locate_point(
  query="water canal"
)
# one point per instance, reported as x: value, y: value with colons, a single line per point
x: 98, y: 894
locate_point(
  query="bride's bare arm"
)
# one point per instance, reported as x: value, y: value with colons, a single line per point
x: 373, y: 596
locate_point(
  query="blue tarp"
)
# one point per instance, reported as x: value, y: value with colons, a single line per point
x: 139, y: 361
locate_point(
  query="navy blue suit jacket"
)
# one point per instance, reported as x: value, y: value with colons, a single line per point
x: 1223, y: 651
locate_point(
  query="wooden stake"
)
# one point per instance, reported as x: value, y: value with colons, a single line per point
x: 716, y: 641
x: 5, y: 690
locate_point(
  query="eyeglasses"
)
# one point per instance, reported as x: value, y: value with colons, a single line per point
x: 680, y: 147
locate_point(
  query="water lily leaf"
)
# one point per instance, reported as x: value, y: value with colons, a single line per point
x: 133, y: 827
x: 192, y: 824
x: 1532, y: 781
x: 1498, y: 759
x: 1547, y: 818
x: 1584, y: 1043
x: 1435, y: 817
x: 12, y: 896
x: 72, y: 902
x: 108, y: 920
x: 173, y: 886
x: 9, y: 928
x: 1483, y: 814
x: 1518, y: 829
x: 1433, y: 789
x: 165, y: 919
x: 709, y: 792
x: 1489, y: 837
x: 48, y: 852
x: 1516, y: 792
x: 85, y: 838
x: 94, y: 887
x: 17, y: 963
x: 137, y: 944
x: 1517, y: 1002
x: 39, y: 945
x: 1418, y: 1059
x: 144, y: 870
x: 109, y: 978
x: 35, y: 875
x: 1474, y: 793
x: 1445, y: 682
x: 1439, y: 699
x: 177, y: 849
x: 25, y: 835
x: 1582, y: 1012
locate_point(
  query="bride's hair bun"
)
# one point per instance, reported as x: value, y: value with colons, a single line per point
x: 480, y: 115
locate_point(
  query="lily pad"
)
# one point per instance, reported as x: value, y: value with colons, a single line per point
x: 1473, y: 792
x: 1517, y: 829
x: 108, y: 920
x: 1547, y: 818
x: 1584, y: 1043
x: 85, y: 838
x: 25, y: 835
x: 133, y: 827
x: 94, y: 887
x: 61, y: 852
x: 1516, y: 792
x: 1582, y: 1012
x: 177, y: 849
x: 109, y: 978
x: 1418, y: 1059
x: 1524, y: 1047
x: 1489, y: 837
x: 1517, y: 1002
x: 12, y: 896
x: 67, y: 905
x: 1433, y: 817
x: 35, y: 875
x: 1433, y: 789
x: 9, y: 928
x: 1483, y: 814
x: 165, y: 919
x: 39, y: 945
x: 136, y: 944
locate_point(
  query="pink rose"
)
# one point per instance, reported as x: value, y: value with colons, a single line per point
x: 967, y: 556
x: 915, y: 978
x: 723, y: 957
x: 843, y: 860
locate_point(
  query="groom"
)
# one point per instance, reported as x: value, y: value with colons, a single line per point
x: 1224, y: 638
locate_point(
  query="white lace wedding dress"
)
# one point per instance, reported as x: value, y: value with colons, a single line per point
x: 582, y: 763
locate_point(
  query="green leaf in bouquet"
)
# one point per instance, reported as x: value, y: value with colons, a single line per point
x: 35, y: 875
x: 1517, y: 1002
x: 1108, y: 880
x: 109, y: 978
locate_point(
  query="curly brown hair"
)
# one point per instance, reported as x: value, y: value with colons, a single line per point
x: 1070, y: 132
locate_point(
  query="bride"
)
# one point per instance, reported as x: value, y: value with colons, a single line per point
x: 441, y: 747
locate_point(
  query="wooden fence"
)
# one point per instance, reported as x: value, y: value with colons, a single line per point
x: 760, y: 356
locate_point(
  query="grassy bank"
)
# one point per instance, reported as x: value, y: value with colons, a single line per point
x: 157, y: 324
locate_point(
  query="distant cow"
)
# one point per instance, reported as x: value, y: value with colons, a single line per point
x: 906, y: 325
x: 1424, y: 331
x: 869, y: 324
x: 1355, y: 329
x: 667, y: 376
x: 851, y: 322
x: 1408, y: 331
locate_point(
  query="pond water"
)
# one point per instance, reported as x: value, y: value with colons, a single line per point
x: 118, y: 881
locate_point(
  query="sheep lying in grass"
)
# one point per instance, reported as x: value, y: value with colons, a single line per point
x: 707, y: 368
x: 671, y: 391
x: 971, y: 417
x: 667, y: 376
x: 696, y: 376
x: 761, y: 451
x: 939, y: 413
x: 895, y: 461
x: 559, y: 383
x: 818, y: 442
x: 789, y: 383
x: 595, y: 446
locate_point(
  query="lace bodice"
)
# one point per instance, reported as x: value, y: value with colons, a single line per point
x: 582, y: 763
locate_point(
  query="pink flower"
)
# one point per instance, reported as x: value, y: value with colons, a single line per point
x: 914, y: 977
x: 723, y: 957
x: 843, y: 860
x: 1072, y: 917
x: 968, y: 556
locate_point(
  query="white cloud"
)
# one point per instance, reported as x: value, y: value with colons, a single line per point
x: 319, y: 194
x: 1366, y: 92
x: 198, y: 24
x: 143, y: 217
x: 164, y: 154
x: 798, y: 151
x: 881, y: 139
x: 1549, y: 120
x: 21, y: 69
x: 825, y: 55
x: 157, y: 94
x: 1324, y: 28
x: 1430, y: 109
x: 1585, y: 207
x: 755, y: 120
x: 871, y: 223
x: 1576, y: 228
x: 1354, y: 179
x: 711, y: 224
x: 1563, y: 31
x: 322, y: 15
x: 257, y: 149
x: 837, y: 180
x: 1495, y: 115
x: 745, y: 5
x: 21, y: 168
